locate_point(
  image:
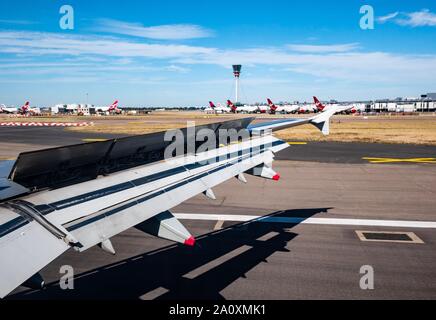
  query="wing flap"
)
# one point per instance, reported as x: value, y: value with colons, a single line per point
x: 103, y: 225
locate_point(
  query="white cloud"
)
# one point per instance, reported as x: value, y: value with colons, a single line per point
x: 174, y: 68
x: 387, y: 17
x: 423, y: 18
x: 40, y: 43
x: 419, y: 19
x: 105, y: 56
x: 323, y: 48
x: 369, y: 67
x: 161, y: 32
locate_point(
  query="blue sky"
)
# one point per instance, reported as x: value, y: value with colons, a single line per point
x: 179, y: 53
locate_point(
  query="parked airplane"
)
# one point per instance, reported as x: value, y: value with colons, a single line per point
x: 27, y: 110
x: 282, y: 109
x: 246, y: 108
x: 79, y: 196
x: 214, y: 109
x: 8, y: 110
x: 232, y: 106
x: 112, y: 109
x: 340, y: 108
x: 307, y: 108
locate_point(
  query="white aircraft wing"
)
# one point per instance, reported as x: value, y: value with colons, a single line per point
x: 88, y: 193
x: 346, y: 108
x: 146, y: 200
x: 8, y: 188
x: 6, y: 167
x: 321, y: 121
x: 25, y: 248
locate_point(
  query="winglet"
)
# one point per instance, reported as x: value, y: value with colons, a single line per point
x: 190, y: 242
x: 322, y: 121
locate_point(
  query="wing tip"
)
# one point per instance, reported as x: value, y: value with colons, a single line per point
x: 190, y: 242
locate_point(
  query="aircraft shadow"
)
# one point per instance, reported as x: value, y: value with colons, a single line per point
x: 183, y: 273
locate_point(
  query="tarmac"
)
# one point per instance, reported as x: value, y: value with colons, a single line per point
x: 308, y: 248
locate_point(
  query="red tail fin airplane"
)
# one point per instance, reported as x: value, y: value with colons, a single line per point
x: 25, y: 108
x: 272, y: 107
x: 318, y: 104
x: 339, y: 108
x: 232, y: 106
x: 113, y: 108
x: 217, y: 109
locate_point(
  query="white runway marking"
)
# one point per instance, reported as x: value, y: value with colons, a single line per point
x: 214, y: 263
x: 268, y: 236
x: 219, y: 225
x: 319, y: 221
x: 154, y: 294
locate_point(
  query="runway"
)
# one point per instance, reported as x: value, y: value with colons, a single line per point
x: 306, y: 247
x: 283, y: 259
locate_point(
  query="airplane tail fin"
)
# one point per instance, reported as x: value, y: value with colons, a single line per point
x: 318, y: 104
x: 113, y: 106
x: 212, y: 105
x: 231, y: 105
x: 25, y: 107
x: 271, y: 105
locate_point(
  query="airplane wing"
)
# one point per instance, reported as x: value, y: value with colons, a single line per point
x: 81, y: 196
x: 6, y: 167
x: 8, y: 188
x: 345, y: 108
x: 25, y: 248
x: 321, y: 121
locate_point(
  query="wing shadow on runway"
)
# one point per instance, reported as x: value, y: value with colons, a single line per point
x: 183, y: 273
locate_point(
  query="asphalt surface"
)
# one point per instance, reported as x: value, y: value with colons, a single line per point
x: 15, y: 140
x: 343, y: 152
x: 259, y: 260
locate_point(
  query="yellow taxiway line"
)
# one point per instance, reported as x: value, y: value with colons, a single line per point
x: 296, y: 143
x: 399, y: 160
x: 94, y: 140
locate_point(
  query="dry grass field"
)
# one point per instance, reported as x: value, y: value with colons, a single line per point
x: 375, y: 129
x: 414, y: 131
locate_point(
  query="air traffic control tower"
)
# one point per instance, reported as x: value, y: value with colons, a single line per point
x: 237, y: 72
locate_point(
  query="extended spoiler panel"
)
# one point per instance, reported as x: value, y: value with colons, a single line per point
x: 63, y: 166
